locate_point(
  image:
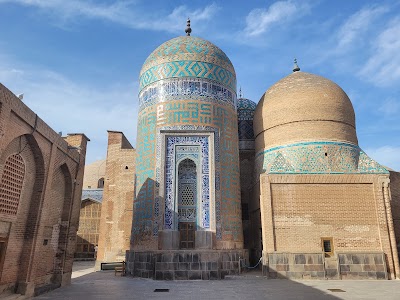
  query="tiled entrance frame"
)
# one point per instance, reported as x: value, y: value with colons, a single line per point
x: 207, y: 205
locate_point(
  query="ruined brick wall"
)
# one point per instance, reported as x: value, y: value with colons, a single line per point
x: 298, y: 210
x: 38, y: 222
x: 117, y: 205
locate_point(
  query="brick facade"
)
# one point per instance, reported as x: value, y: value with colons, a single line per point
x: 38, y: 238
x: 395, y: 204
x: 352, y: 209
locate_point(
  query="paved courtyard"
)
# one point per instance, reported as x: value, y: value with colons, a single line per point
x: 87, y: 284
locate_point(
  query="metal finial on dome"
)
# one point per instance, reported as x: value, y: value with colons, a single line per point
x: 295, y: 66
x: 240, y: 92
x: 188, y: 30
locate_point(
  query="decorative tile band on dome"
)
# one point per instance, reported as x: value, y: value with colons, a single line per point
x: 188, y: 48
x: 186, y: 89
x: 188, y: 68
x: 316, y: 158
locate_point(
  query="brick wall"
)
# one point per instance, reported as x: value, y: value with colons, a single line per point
x: 117, y: 205
x: 38, y: 241
x: 298, y: 210
x: 395, y: 204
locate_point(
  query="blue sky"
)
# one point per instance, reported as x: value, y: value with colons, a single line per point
x: 77, y: 62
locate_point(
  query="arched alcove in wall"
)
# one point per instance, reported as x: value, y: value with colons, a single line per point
x: 62, y: 186
x: 187, y: 202
x: 22, y: 164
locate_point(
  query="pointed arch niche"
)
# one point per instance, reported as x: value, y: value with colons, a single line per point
x: 187, y: 187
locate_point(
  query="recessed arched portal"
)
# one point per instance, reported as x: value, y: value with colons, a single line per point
x: 187, y: 202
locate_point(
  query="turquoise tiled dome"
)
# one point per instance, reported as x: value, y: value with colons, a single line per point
x: 188, y: 56
x: 246, y: 104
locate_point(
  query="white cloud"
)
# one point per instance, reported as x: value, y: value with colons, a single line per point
x: 70, y: 106
x: 121, y: 12
x: 383, y: 66
x: 260, y: 20
x: 388, y: 156
x: 357, y: 24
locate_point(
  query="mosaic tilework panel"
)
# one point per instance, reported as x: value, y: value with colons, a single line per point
x: 159, y: 168
x: 186, y: 89
x: 170, y: 210
x: 195, y: 112
x: 188, y: 68
x: 316, y: 158
x: 188, y: 48
x: 196, y: 115
x: 368, y: 165
x: 245, y: 129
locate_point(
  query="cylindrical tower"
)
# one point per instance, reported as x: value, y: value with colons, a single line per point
x: 187, y: 180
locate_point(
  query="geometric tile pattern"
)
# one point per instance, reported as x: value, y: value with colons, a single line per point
x: 216, y: 162
x: 171, y: 165
x: 245, y: 129
x: 245, y: 113
x: 316, y: 158
x: 188, y: 68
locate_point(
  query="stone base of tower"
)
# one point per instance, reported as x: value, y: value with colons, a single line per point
x: 185, y: 264
x: 352, y: 265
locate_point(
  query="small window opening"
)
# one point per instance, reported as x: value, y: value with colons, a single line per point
x: 327, y: 246
x: 100, y: 183
x: 45, y: 242
x: 326, y: 154
x: 126, y: 168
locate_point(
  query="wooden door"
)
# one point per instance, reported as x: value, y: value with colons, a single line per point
x: 186, y: 232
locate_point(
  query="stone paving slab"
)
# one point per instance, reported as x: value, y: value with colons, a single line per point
x: 104, y: 285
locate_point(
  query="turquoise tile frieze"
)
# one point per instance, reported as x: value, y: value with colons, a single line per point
x: 186, y: 89
x: 322, y: 157
x: 188, y: 68
x: 188, y: 48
